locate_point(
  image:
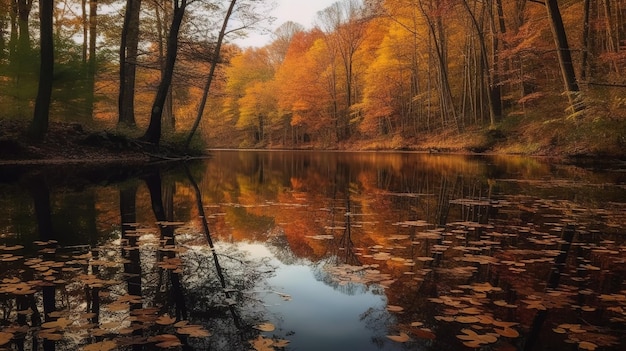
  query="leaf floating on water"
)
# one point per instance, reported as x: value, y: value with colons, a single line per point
x: 5, y: 338
x: 403, y: 337
x: 262, y: 344
x: 101, y: 346
x: 12, y: 248
x: 473, y: 339
x: 194, y: 331
x: 165, y: 340
x: 394, y: 308
x: 507, y: 332
x: 165, y: 320
x: 281, y: 343
x: 586, y: 345
x: 266, y: 327
x: 60, y: 323
x: 467, y: 319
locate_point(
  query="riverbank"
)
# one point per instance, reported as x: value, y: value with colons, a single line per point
x: 68, y: 143
x: 71, y: 143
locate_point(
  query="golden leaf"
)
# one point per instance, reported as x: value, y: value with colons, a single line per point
x: 101, y: 346
x: 262, y: 344
x: 403, y: 337
x: 266, y: 327
x: 507, y: 332
x: 585, y: 345
x: 165, y: 320
x: 5, y: 338
x: 195, y: 331
x: 394, y: 308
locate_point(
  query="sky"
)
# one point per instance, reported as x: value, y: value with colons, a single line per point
x: 299, y: 11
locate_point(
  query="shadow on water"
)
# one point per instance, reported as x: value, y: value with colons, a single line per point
x: 306, y: 250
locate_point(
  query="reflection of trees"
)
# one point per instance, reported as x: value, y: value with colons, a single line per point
x: 130, y: 248
x: 43, y: 213
x: 223, y: 296
x: 343, y: 248
x: 153, y: 181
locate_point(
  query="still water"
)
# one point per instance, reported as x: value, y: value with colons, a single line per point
x: 315, y: 251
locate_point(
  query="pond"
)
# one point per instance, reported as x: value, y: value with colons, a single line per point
x: 315, y: 251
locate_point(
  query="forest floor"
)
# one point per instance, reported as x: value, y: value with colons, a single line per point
x: 70, y: 143
x: 67, y: 143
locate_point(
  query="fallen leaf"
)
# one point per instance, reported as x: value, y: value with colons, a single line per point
x: 266, y: 327
x: 5, y: 338
x: 165, y: 320
x: 101, y: 346
x: 403, y: 337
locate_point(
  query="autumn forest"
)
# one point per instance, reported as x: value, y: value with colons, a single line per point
x: 515, y: 76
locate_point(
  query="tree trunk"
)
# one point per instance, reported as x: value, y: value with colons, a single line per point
x: 83, y: 9
x: 484, y: 65
x: 23, y: 12
x: 14, y: 32
x: 91, y: 60
x: 564, y: 56
x: 93, y: 34
x: 39, y: 125
x: 168, y: 108
x: 3, y: 27
x: 153, y: 133
x: 586, y: 43
x: 207, y: 86
x: 22, y: 56
x: 438, y: 41
x: 128, y: 62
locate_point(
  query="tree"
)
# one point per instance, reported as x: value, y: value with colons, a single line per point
x: 344, y: 24
x: 153, y: 133
x: 128, y: 62
x: 282, y: 39
x: 564, y: 55
x: 484, y: 64
x: 247, y: 69
x: 305, y: 87
x: 434, y: 13
x: 215, y: 59
x: 4, y: 5
x: 256, y: 109
x: 39, y: 125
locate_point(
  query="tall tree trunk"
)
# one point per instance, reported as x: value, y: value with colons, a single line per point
x: 438, y: 41
x: 153, y: 133
x: 128, y: 62
x: 486, y: 75
x: 22, y: 56
x: 564, y: 55
x: 163, y: 17
x: 83, y: 11
x: 214, y: 60
x: 39, y: 125
x: 91, y: 61
x: 498, y: 28
x: 93, y: 34
x: 3, y: 27
x: 585, y: 41
x: 23, y: 12
x: 14, y: 32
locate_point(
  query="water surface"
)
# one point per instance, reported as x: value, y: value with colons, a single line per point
x: 315, y: 250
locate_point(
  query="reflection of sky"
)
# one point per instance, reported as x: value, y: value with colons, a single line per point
x: 318, y: 316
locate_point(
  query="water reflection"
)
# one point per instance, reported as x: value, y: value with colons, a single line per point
x: 272, y: 250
